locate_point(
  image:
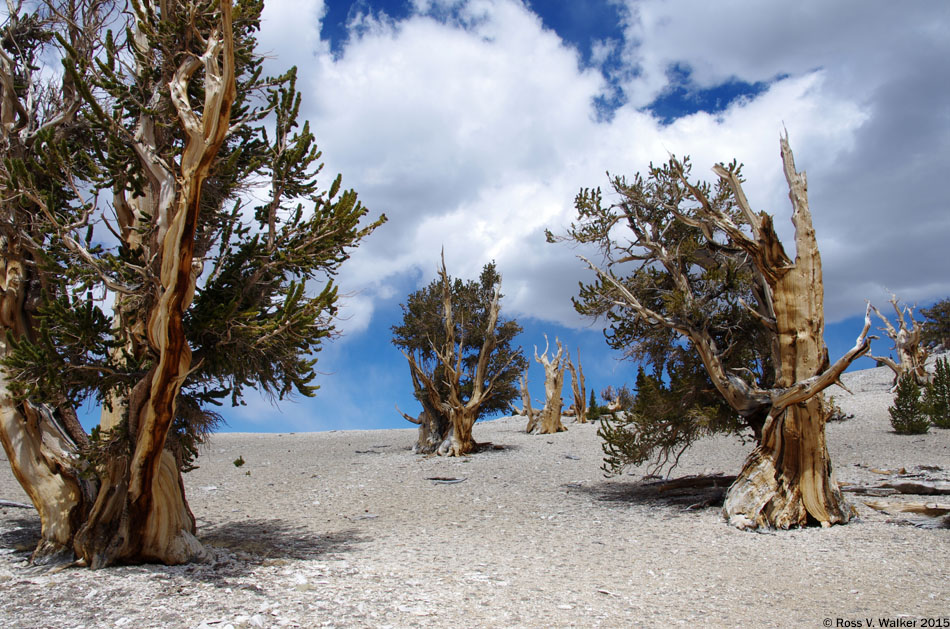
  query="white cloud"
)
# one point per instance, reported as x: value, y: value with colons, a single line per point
x: 475, y: 133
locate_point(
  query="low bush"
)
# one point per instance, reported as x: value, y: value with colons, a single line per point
x: 908, y: 415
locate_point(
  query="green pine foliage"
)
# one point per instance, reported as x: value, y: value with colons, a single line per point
x: 908, y: 415
x: 936, y: 327
x: 937, y: 395
x: 652, y: 425
x: 594, y: 411
x: 721, y: 287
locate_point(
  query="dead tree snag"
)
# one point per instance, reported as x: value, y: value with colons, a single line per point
x: 550, y: 417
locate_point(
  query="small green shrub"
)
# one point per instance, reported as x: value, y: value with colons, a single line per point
x: 907, y: 414
x: 937, y: 395
x: 238, y: 462
x: 593, y: 410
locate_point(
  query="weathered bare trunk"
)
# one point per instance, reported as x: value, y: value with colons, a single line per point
x: 37, y: 439
x: 911, y: 353
x: 44, y: 462
x: 550, y: 419
x: 578, y: 389
x: 788, y: 479
x: 460, y: 437
x: 527, y: 410
x: 433, y: 432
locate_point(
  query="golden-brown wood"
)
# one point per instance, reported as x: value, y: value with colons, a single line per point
x: 550, y: 417
x: 578, y: 389
x: 141, y: 512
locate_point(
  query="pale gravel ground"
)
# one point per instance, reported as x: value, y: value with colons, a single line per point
x: 342, y: 529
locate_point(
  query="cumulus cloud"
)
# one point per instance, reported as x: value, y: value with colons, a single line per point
x: 472, y: 127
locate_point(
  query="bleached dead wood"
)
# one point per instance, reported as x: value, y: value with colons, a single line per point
x: 550, y: 420
x: 916, y: 488
x: 578, y: 389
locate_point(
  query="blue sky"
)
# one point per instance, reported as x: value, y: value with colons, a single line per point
x: 473, y: 123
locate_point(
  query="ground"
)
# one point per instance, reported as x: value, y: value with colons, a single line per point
x: 345, y: 529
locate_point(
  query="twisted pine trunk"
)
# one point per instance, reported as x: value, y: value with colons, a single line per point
x: 788, y: 479
x: 141, y: 513
x: 43, y: 459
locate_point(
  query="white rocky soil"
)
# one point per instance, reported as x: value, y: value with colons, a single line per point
x: 345, y: 529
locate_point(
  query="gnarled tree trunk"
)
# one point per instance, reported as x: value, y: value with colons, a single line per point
x: 42, y: 443
x: 44, y: 459
x: 527, y: 410
x: 434, y: 425
x: 789, y: 479
x: 550, y: 419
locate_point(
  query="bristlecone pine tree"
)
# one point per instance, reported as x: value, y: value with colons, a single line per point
x: 593, y: 409
x: 908, y: 343
x: 907, y: 413
x: 460, y: 358
x: 123, y: 185
x: 686, y: 237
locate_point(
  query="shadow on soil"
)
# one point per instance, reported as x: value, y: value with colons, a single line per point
x: 247, y: 544
x: 275, y: 539
x: 20, y: 533
x: 688, y: 492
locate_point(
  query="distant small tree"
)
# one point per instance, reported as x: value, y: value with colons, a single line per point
x: 908, y: 343
x: 461, y: 360
x: 936, y: 326
x: 593, y: 409
x: 549, y: 420
x: 937, y: 395
x: 617, y: 399
x: 907, y: 413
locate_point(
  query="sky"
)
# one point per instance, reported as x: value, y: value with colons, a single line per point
x: 472, y: 124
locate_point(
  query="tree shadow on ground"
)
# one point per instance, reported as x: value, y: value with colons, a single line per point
x: 234, y: 549
x: 237, y: 548
x: 487, y: 447
x: 264, y: 539
x: 687, y: 492
x: 21, y: 533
